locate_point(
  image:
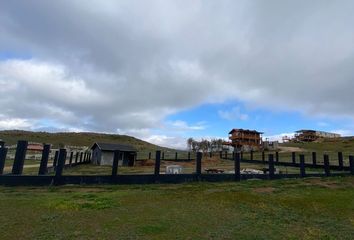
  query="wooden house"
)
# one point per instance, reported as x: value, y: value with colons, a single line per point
x: 245, y: 139
x: 313, y: 135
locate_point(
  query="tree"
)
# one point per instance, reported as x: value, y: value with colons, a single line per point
x: 190, y: 143
x: 195, y: 146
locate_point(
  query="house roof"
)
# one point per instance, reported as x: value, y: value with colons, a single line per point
x: 114, y: 147
x: 305, y: 130
x: 35, y: 147
x: 244, y: 130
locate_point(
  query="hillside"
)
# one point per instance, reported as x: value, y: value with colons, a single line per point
x: 345, y: 144
x: 75, y: 139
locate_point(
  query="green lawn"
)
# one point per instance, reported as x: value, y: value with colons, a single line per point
x: 282, y: 209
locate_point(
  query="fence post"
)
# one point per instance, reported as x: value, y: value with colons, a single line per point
x: 293, y: 157
x: 241, y: 156
x: 199, y: 163
x: 163, y: 156
x: 351, y: 164
x: 71, y: 158
x: 60, y: 166
x: 237, y: 166
x: 210, y: 154
x: 157, y: 163
x: 3, y: 152
x: 176, y: 156
x: 220, y: 154
x: 226, y: 155
x: 314, y: 159
x: 263, y: 156
x: 55, y: 160
x: 76, y: 157
x: 81, y: 155
x: 326, y: 165
x: 271, y: 165
x: 116, y: 156
x: 251, y: 155
x: 20, y: 156
x: 340, y: 161
x: 189, y: 156
x: 277, y: 156
x: 302, y: 165
x: 149, y: 155
x: 44, y: 160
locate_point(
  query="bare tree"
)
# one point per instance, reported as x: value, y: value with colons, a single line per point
x: 219, y: 144
x: 195, y: 146
x: 190, y: 143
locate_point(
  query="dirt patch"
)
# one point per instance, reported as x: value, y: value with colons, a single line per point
x: 264, y: 190
x: 9, y: 168
x: 147, y: 162
x: 326, y: 184
x: 291, y: 149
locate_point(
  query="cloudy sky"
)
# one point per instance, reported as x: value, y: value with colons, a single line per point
x: 167, y: 70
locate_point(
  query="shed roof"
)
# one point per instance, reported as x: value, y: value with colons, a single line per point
x: 35, y: 147
x: 114, y: 147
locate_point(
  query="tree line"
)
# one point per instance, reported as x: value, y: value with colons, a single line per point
x: 213, y: 145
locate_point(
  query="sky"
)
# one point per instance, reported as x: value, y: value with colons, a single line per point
x: 167, y: 70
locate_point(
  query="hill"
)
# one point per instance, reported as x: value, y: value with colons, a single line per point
x: 75, y: 139
x: 345, y: 144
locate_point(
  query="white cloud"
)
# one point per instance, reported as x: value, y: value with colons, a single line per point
x: 15, y: 123
x: 183, y: 126
x: 127, y: 65
x: 168, y: 141
x: 344, y: 132
x: 233, y: 114
x: 149, y: 135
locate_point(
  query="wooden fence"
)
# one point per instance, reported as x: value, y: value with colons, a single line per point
x: 60, y: 159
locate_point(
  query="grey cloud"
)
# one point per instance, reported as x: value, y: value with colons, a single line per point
x: 131, y: 63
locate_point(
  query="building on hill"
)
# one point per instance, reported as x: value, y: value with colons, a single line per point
x: 35, y: 147
x: 103, y: 153
x: 270, y: 145
x: 244, y: 139
x: 313, y: 135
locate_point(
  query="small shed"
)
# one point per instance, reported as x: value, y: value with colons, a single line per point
x: 103, y: 153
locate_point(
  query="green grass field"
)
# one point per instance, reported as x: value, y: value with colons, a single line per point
x: 345, y: 145
x: 282, y: 209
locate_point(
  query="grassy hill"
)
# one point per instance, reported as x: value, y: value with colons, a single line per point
x: 75, y: 139
x: 345, y: 144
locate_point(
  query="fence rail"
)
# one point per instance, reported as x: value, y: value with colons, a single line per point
x: 63, y: 160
